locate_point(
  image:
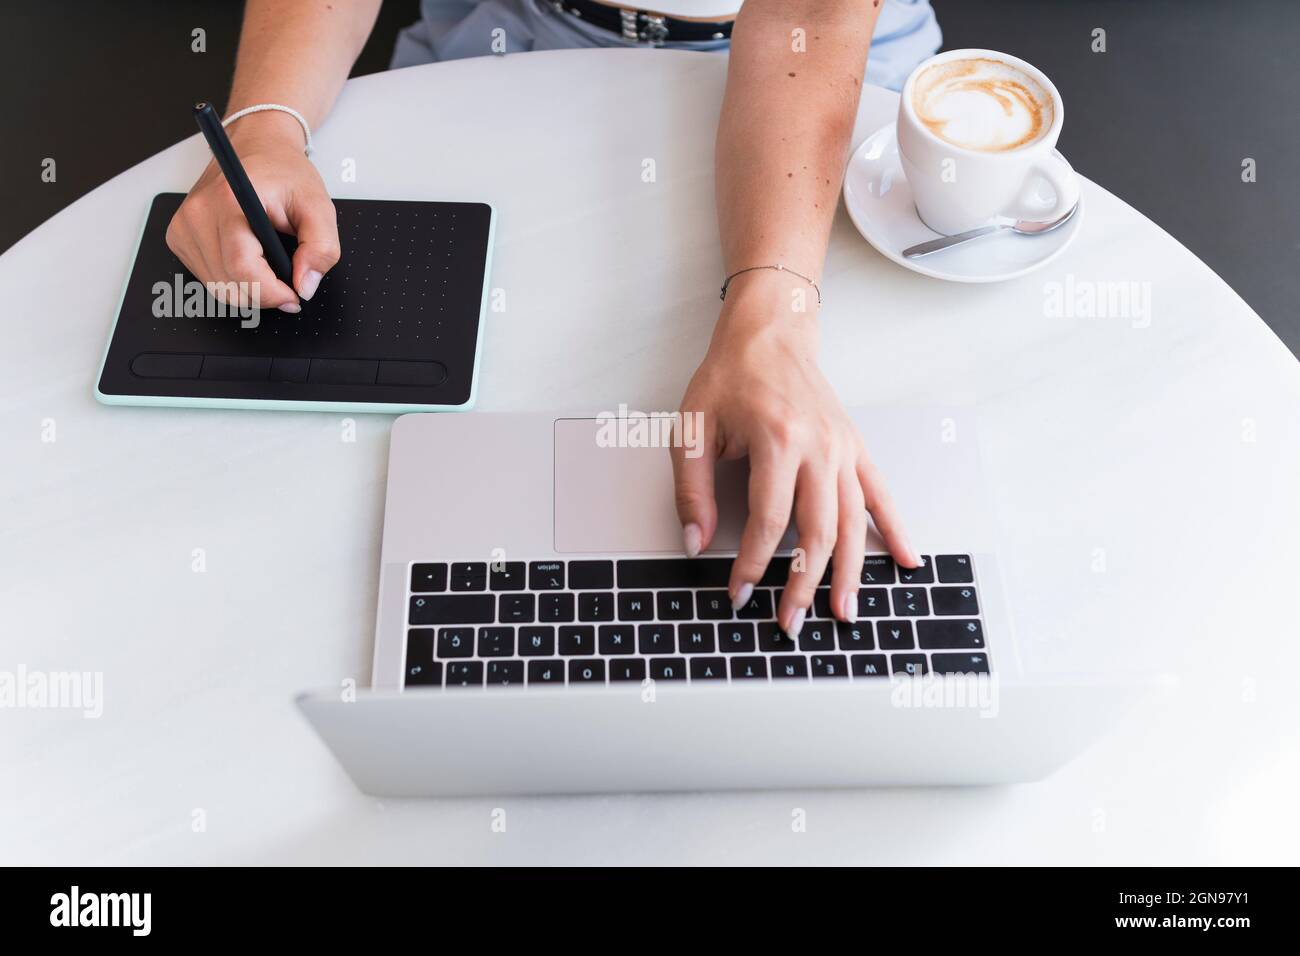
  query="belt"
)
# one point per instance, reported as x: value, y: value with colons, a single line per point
x: 642, y: 26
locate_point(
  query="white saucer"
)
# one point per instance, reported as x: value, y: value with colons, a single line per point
x: 879, y: 202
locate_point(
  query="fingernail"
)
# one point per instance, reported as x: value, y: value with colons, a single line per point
x: 691, y: 539
x: 743, y: 594
x: 849, y: 608
x: 293, y: 308
x: 796, y: 623
x: 310, y: 281
x: 916, y: 555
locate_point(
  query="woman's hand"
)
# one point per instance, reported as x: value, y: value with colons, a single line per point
x: 761, y: 394
x: 211, y: 236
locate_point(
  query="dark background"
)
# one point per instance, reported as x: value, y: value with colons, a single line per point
x: 1186, y: 90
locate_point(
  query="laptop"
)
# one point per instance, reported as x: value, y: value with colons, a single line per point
x: 540, y: 630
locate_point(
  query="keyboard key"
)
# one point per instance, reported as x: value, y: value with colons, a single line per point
x: 878, y: 569
x: 895, y: 635
x: 455, y: 642
x: 591, y: 575
x: 708, y: 668
x: 758, y: 608
x: 516, y: 608
x: 465, y: 674
x: 950, y: 635
x: 469, y: 575
x: 428, y: 577
x: 676, y: 606
x: 954, y: 568
x: 424, y: 675
x: 960, y: 663
x: 790, y: 666
x: 668, y: 668
x: 749, y: 668
x: 656, y: 639
x: 950, y: 601
x: 587, y: 672
x: 913, y: 665
x: 873, y: 602
x: 627, y: 668
x: 736, y: 638
x: 829, y: 665
x: 661, y: 573
x: 555, y: 608
x: 546, y: 575
x: 869, y: 665
x: 713, y: 606
x: 505, y: 673
x: 855, y: 637
x: 453, y: 609
x: 617, y: 639
x: 922, y: 575
x: 696, y: 639
x: 595, y: 606
x: 546, y: 672
x: 822, y: 603
x: 577, y: 640
x: 506, y: 576
x: 911, y: 602
x: 774, y: 640
x: 817, y: 636
x: 536, y: 641
x: 777, y: 573
x: 635, y: 606
x: 419, y: 657
x: 496, y: 642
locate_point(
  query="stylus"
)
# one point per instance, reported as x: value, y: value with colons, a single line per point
x: 210, y: 123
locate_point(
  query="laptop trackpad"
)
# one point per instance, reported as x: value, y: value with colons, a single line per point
x: 620, y: 499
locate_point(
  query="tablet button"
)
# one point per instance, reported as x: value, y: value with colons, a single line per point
x: 236, y: 368
x: 290, y: 369
x: 163, y: 365
x: 427, y: 374
x: 343, y: 371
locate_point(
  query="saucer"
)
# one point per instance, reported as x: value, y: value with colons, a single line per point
x: 879, y: 202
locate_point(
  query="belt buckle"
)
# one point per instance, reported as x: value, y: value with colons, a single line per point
x: 643, y: 27
x: 656, y: 31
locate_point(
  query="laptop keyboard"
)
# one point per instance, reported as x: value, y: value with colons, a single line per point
x: 475, y: 624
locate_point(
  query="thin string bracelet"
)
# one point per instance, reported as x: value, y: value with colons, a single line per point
x: 779, y: 268
x: 261, y: 107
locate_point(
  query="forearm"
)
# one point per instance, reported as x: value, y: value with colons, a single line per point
x: 783, y: 137
x: 297, y: 53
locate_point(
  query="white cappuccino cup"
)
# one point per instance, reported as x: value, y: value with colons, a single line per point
x: 977, y: 132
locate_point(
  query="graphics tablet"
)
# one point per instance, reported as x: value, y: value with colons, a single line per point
x: 396, y: 325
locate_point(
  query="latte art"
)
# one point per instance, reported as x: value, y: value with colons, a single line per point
x: 982, y: 104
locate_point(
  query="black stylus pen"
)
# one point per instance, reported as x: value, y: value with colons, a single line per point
x: 210, y: 123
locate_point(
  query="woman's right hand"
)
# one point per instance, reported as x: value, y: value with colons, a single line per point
x: 211, y: 236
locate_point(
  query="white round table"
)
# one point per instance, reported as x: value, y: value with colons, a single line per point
x: 211, y: 564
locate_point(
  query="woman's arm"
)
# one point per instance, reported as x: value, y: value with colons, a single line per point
x: 296, y: 53
x: 783, y: 139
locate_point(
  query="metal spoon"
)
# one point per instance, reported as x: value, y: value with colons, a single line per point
x: 1024, y: 227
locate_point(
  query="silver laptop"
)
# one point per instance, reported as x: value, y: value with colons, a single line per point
x: 540, y: 631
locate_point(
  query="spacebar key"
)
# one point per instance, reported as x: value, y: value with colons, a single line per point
x: 453, y: 609
x: 674, y: 573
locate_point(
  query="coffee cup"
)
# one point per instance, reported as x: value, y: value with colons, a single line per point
x: 977, y: 133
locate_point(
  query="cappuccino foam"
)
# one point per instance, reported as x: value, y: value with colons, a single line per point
x: 982, y: 104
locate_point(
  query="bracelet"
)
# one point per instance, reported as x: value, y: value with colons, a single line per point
x: 779, y: 268
x: 260, y: 107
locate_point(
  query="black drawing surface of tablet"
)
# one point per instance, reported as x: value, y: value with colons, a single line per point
x: 395, y: 326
